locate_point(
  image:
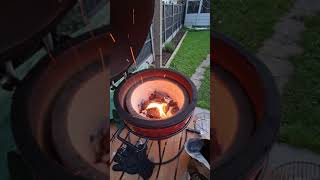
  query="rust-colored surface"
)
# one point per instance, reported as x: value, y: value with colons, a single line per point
x: 233, y: 116
x: 253, y: 96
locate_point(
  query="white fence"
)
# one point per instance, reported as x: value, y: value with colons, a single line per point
x: 172, y: 21
x: 197, y: 13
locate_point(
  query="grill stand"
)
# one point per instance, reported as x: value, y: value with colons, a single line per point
x: 138, y: 151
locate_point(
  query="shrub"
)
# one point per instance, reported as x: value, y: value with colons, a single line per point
x: 169, y: 47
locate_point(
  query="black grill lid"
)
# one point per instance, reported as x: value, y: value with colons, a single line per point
x: 130, y: 23
x: 23, y: 23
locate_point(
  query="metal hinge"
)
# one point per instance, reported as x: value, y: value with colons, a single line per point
x: 113, y: 85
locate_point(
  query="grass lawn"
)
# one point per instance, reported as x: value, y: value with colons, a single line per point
x: 194, y: 49
x: 301, y: 107
x: 249, y: 22
x: 204, y: 91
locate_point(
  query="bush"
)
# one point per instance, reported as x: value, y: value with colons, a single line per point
x: 169, y: 47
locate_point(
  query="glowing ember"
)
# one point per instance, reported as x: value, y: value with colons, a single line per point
x: 159, y: 106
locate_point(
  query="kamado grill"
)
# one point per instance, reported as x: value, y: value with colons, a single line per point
x: 154, y: 104
x: 246, y: 112
x: 168, y: 94
x: 60, y: 110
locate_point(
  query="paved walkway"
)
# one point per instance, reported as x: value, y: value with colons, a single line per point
x: 284, y: 43
x: 276, y: 53
x: 283, y: 153
x: 199, y: 74
x: 197, y: 78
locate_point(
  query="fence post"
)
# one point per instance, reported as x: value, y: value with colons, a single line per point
x: 157, y: 32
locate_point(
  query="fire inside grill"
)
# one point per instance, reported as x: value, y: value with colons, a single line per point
x: 159, y: 106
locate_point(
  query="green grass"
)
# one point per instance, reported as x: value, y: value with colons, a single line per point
x: 204, y: 91
x: 249, y: 22
x: 301, y: 99
x: 194, y: 49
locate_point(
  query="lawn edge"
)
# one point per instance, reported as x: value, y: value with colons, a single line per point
x: 176, y: 50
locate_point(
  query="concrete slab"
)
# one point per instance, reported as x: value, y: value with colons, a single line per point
x: 283, y: 153
x: 197, y: 77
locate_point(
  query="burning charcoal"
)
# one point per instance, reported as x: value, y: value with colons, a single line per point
x: 152, y: 96
x: 174, y: 110
x: 167, y: 100
x: 145, y: 104
x: 158, y: 97
x: 172, y: 103
x: 153, y: 113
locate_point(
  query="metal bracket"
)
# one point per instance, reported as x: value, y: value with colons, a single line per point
x: 136, y: 146
x: 113, y: 85
x: 125, y: 75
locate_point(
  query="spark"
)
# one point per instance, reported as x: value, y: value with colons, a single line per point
x: 133, y: 20
x: 113, y: 39
x: 132, y: 54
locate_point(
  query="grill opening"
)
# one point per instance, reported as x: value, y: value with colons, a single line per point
x: 162, y: 90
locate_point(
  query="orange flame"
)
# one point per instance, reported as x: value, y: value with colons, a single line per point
x: 160, y: 107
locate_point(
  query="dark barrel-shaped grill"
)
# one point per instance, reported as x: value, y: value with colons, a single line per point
x: 246, y: 130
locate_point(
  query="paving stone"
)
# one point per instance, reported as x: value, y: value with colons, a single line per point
x: 279, y: 50
x: 277, y: 66
x: 281, y: 81
x: 197, y: 77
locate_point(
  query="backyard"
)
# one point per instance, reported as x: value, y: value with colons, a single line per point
x: 194, y: 49
x: 251, y: 23
x: 301, y: 107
